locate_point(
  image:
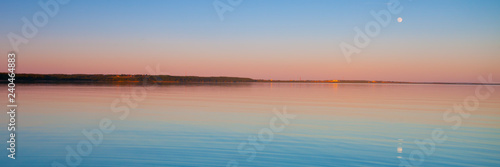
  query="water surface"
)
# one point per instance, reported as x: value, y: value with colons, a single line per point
x: 206, y: 124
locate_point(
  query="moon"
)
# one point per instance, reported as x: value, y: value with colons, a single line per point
x: 400, y: 19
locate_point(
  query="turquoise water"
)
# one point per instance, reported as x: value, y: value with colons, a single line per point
x: 219, y: 125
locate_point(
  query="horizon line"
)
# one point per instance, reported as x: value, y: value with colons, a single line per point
x: 284, y: 80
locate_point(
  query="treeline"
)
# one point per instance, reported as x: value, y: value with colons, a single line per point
x: 104, y: 78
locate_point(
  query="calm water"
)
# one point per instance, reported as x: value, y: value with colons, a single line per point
x: 219, y: 125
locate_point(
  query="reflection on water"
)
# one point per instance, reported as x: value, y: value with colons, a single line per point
x: 204, y: 124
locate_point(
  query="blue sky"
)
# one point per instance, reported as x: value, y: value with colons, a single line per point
x: 287, y: 39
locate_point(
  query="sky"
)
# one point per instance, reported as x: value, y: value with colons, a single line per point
x: 438, y: 40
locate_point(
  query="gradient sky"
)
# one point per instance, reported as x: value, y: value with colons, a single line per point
x: 438, y: 40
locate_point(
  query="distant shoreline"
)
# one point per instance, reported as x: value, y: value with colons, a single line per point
x: 169, y: 79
